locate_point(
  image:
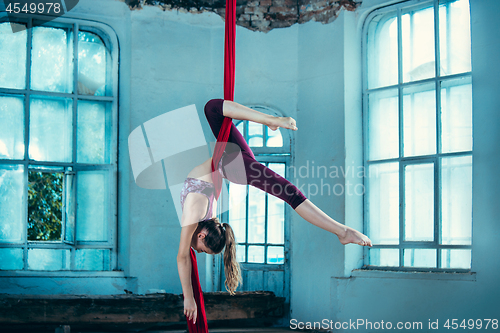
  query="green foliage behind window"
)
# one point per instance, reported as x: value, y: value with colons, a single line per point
x: 45, y: 204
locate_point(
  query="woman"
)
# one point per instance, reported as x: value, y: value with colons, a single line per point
x: 201, y: 229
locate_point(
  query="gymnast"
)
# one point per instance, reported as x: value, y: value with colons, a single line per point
x: 202, y: 231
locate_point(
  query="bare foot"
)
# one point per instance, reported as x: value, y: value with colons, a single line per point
x: 355, y: 237
x: 284, y: 122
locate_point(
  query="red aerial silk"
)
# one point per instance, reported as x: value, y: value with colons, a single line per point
x: 229, y: 61
x: 201, y: 321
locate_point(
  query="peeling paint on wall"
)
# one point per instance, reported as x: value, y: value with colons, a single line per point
x: 259, y: 15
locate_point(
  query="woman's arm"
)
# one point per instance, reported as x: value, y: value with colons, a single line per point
x: 184, y: 259
x: 237, y: 111
x: 184, y: 268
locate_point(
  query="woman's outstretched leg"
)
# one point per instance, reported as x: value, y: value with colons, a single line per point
x: 312, y: 214
x: 258, y: 175
x: 263, y: 178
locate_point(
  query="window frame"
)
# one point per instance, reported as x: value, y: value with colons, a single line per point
x: 263, y: 155
x: 403, y: 160
x: 285, y: 149
x: 110, y: 99
x: 266, y: 155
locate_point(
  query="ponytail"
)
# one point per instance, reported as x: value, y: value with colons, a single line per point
x: 220, y: 235
x: 231, y: 264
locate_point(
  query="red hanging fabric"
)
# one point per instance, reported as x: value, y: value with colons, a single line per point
x: 229, y: 60
x: 201, y: 321
x: 229, y: 65
x: 229, y: 50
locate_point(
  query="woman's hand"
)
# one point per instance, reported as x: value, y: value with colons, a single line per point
x: 284, y: 122
x: 190, y: 309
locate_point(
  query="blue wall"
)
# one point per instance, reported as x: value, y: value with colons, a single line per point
x: 418, y: 297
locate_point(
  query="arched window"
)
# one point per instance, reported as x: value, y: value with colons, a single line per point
x: 58, y: 145
x: 418, y: 135
x: 259, y: 220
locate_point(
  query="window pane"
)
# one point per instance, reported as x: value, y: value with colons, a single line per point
x: 456, y: 258
x: 417, y: 29
x: 419, y: 258
x: 383, y: 125
x: 45, y: 205
x: 240, y: 127
x: 240, y: 253
x: 237, y: 210
x: 274, y: 138
x: 51, y: 131
x: 275, y: 255
x: 48, y: 259
x: 256, y: 254
x: 384, y: 257
x: 383, y: 198
x: 92, y: 140
x: 52, y: 60
x: 255, y: 134
x: 419, y: 202
x: 92, y: 260
x: 276, y: 211
x: 275, y: 220
x: 419, y: 117
x: 456, y: 184
x: 279, y: 168
x: 11, y: 127
x: 256, y: 215
x: 13, y: 56
x: 12, y: 204
x: 11, y: 259
x: 456, y: 115
x: 92, y: 61
x: 383, y: 51
x: 70, y: 206
x: 454, y: 36
x: 91, y: 214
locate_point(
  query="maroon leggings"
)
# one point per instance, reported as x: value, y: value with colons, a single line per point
x: 255, y: 173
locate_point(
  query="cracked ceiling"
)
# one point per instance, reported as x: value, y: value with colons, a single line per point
x: 259, y: 15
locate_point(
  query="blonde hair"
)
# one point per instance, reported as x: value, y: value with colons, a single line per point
x: 220, y: 235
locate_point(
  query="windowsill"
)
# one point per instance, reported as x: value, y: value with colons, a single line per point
x: 371, y: 273
x: 63, y: 274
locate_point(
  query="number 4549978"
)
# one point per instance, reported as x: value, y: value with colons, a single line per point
x: 34, y: 8
x: 471, y: 324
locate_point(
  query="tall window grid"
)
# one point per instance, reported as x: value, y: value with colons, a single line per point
x: 58, y: 146
x: 418, y: 136
x: 258, y: 219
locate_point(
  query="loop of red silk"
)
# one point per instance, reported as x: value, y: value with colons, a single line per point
x: 229, y: 60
